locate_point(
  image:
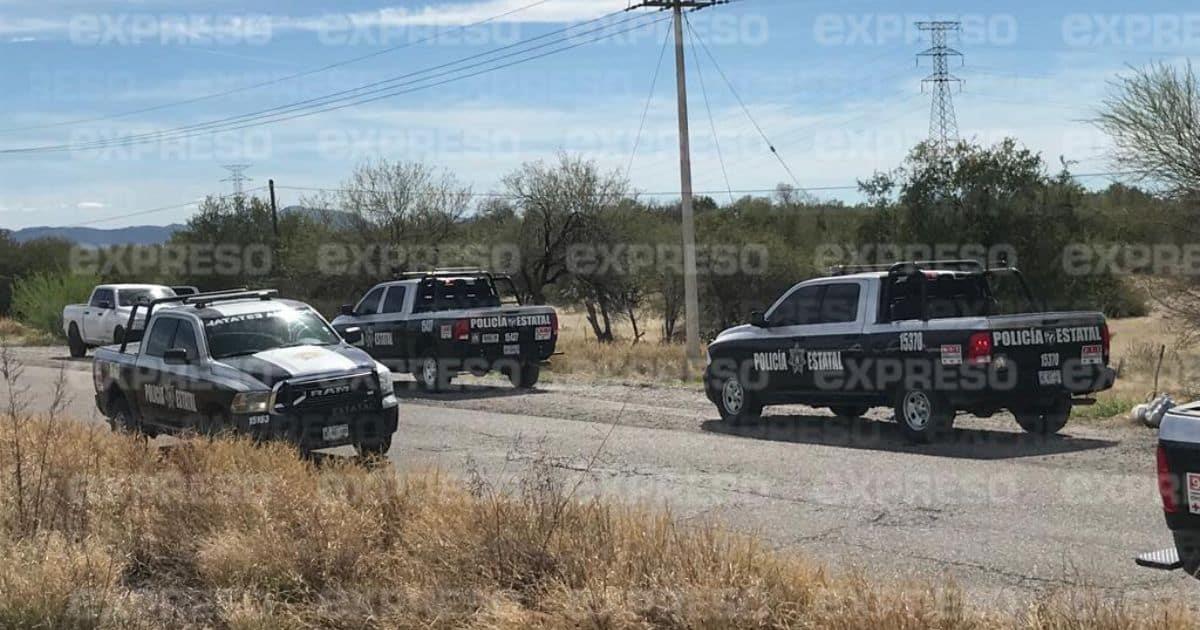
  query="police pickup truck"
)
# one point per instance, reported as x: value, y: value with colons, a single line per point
x: 439, y: 324
x: 248, y: 363
x: 1179, y: 489
x: 925, y: 338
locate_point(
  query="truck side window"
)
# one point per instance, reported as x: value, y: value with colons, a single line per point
x: 802, y: 307
x: 102, y: 295
x: 185, y: 338
x: 161, y: 336
x: 394, y: 302
x: 370, y: 304
x: 840, y: 303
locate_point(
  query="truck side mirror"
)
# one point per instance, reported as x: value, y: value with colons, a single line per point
x: 176, y: 356
x: 104, y: 304
x: 346, y: 309
x: 758, y: 320
x: 353, y: 335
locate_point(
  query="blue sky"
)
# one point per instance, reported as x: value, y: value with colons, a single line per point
x: 835, y: 86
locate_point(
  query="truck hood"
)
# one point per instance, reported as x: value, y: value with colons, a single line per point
x: 272, y: 366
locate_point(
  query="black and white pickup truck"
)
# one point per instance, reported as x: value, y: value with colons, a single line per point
x: 1179, y: 488
x: 925, y: 338
x: 439, y: 324
x: 248, y: 363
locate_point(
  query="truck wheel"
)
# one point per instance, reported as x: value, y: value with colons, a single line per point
x: 525, y: 376
x: 1047, y: 420
x: 216, y: 423
x: 75, y: 343
x: 121, y: 418
x: 118, y: 335
x: 923, y: 416
x: 849, y: 411
x: 736, y: 403
x: 431, y: 375
x: 377, y: 448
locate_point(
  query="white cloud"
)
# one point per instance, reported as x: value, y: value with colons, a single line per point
x: 458, y: 14
x: 90, y: 205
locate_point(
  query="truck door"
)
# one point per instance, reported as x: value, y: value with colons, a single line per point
x: 835, y: 346
x: 390, y: 334
x: 366, y: 315
x: 150, y: 380
x: 103, y: 301
x: 781, y: 357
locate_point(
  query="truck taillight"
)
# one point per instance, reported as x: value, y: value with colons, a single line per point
x: 554, y: 323
x: 462, y: 330
x: 1166, y: 482
x: 1105, y: 338
x: 979, y: 349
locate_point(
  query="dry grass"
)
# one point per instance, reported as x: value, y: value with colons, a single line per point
x: 100, y: 530
x: 646, y: 361
x: 14, y: 333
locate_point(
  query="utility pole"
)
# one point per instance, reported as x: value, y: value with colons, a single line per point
x: 943, y: 124
x: 691, y: 294
x: 274, y: 209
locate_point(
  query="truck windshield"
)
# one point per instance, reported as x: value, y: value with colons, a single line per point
x: 237, y: 335
x: 129, y: 297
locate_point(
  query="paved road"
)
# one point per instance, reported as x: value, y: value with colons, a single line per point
x: 1008, y: 517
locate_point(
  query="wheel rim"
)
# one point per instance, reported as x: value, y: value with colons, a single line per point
x: 429, y: 372
x: 733, y: 396
x: 917, y: 410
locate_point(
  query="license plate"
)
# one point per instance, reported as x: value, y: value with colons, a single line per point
x: 542, y: 334
x: 336, y: 432
x: 1049, y: 377
x: 1091, y: 355
x: 491, y: 338
x: 512, y: 350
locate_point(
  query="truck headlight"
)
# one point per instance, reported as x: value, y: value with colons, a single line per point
x: 251, y: 402
x: 386, y: 386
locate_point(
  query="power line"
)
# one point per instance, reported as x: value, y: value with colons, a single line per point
x: 672, y: 193
x: 742, y: 103
x: 637, y: 140
x: 711, y: 121
x: 297, y: 75
x: 358, y: 96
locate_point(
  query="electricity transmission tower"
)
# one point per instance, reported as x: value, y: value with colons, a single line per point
x: 691, y: 299
x: 943, y: 124
x: 237, y: 177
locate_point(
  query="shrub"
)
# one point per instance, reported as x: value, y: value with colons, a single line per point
x: 38, y: 299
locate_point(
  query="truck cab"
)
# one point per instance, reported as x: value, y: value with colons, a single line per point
x: 246, y: 363
x: 442, y: 323
x: 104, y: 318
x: 927, y: 338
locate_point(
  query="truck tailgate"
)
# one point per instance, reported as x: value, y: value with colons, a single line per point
x: 1052, y: 350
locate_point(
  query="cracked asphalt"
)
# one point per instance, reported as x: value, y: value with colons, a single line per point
x: 1006, y: 516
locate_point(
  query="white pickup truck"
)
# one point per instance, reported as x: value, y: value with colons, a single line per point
x: 104, y: 318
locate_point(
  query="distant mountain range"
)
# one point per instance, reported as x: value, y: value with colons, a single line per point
x: 93, y: 237
x: 155, y: 234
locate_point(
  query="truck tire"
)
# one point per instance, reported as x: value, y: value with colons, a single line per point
x: 75, y: 343
x: 377, y: 448
x: 118, y: 335
x: 1047, y: 420
x: 923, y: 416
x: 849, y: 411
x: 525, y: 375
x: 431, y: 375
x: 737, y: 403
x: 121, y: 417
x: 216, y: 423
